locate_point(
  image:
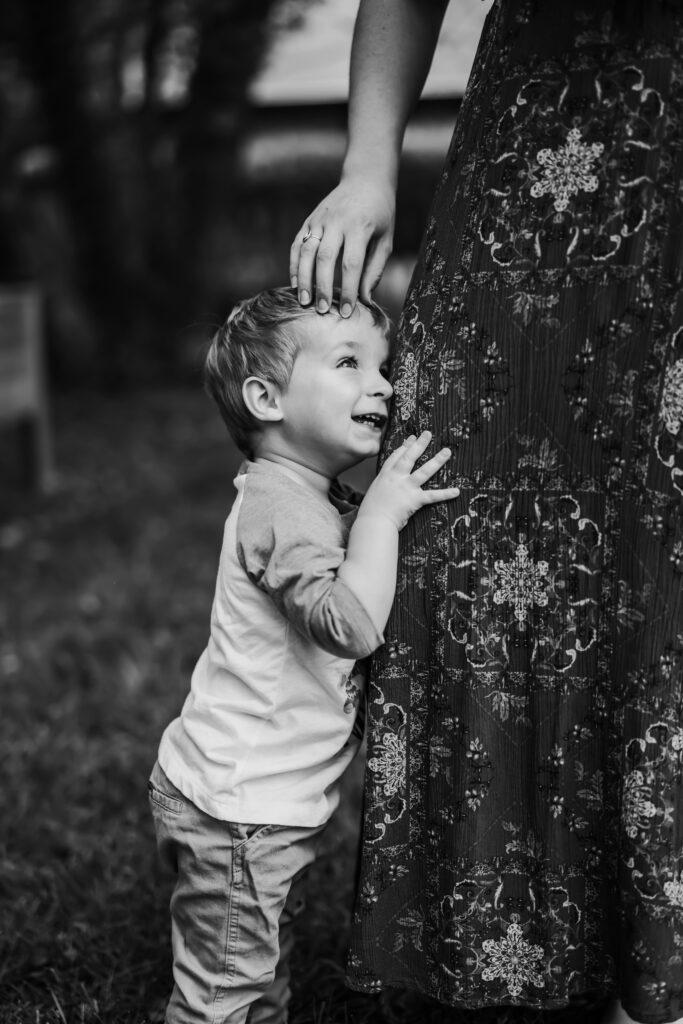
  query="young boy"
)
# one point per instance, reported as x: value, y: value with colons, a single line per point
x: 248, y: 775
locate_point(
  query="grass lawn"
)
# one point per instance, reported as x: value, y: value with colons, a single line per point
x: 105, y: 593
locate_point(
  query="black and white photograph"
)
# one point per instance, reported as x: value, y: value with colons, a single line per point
x: 341, y: 512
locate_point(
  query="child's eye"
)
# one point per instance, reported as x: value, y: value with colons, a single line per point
x: 348, y: 361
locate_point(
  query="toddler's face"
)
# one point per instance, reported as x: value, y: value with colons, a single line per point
x: 336, y: 405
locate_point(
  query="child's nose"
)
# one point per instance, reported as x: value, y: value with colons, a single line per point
x: 382, y: 387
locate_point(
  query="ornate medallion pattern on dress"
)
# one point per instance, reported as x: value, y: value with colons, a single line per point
x: 523, y: 835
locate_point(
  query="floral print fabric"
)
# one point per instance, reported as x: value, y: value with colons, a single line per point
x: 523, y: 838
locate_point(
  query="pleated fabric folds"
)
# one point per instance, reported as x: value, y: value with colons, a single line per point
x: 523, y: 835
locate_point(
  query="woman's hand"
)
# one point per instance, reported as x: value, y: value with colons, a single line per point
x: 355, y: 221
x: 393, y: 45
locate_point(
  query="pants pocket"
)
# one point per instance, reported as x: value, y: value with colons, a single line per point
x: 163, y: 794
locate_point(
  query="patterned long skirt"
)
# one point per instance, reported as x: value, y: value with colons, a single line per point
x: 523, y: 836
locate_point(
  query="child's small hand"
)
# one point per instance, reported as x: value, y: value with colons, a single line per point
x: 396, y: 492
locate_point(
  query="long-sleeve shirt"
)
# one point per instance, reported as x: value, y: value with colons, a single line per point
x: 268, y: 726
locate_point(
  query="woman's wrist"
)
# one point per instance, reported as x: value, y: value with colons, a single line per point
x: 371, y: 164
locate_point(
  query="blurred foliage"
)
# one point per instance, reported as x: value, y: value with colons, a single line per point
x: 112, y: 113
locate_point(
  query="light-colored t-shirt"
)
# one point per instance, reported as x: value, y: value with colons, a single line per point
x: 268, y: 726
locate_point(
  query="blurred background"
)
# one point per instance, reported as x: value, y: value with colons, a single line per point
x: 156, y: 159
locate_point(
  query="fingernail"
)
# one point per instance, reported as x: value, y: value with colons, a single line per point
x: 304, y: 298
x: 346, y: 309
x: 294, y: 281
x: 323, y: 306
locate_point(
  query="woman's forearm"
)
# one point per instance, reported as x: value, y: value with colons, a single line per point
x: 393, y: 46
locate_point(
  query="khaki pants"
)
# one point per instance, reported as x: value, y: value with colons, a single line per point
x: 238, y: 891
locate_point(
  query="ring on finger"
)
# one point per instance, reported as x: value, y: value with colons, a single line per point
x: 309, y: 234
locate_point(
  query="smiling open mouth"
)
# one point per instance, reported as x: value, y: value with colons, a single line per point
x: 371, y: 419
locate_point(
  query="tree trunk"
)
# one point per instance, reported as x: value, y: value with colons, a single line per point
x: 91, y: 189
x: 232, y: 40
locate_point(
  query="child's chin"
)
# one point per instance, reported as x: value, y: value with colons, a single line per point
x: 373, y: 447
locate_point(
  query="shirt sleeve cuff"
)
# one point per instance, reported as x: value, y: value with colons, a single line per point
x: 345, y: 628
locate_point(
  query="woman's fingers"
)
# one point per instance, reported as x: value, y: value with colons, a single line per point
x: 325, y: 262
x: 313, y: 259
x: 294, y: 254
x: 303, y: 235
x: 308, y: 252
x: 355, y: 220
x: 378, y: 253
x: 353, y: 260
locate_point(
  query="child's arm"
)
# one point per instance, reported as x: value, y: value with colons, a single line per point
x: 290, y: 548
x: 369, y: 569
x: 291, y: 544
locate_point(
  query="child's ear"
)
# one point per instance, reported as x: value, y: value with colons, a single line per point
x: 262, y: 399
